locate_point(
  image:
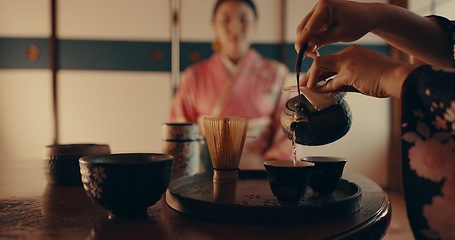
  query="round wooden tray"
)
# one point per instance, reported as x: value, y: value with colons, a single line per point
x: 250, y: 201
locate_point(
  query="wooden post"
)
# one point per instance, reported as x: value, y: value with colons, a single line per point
x: 394, y: 175
x: 53, y: 64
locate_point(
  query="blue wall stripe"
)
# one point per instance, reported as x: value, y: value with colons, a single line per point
x: 134, y: 55
x: 13, y: 53
x: 191, y: 52
x: 115, y: 55
x: 291, y: 54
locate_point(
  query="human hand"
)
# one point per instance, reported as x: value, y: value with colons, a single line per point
x: 359, y: 69
x: 333, y: 21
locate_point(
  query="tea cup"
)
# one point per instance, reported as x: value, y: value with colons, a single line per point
x: 288, y: 180
x: 327, y: 173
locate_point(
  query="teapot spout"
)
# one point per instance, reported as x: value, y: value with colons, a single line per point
x: 294, y: 126
x: 300, y: 113
x: 297, y: 129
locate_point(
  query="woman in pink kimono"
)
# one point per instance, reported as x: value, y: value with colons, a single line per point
x: 237, y: 81
x: 426, y: 90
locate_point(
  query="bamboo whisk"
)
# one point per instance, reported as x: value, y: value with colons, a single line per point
x: 225, y: 138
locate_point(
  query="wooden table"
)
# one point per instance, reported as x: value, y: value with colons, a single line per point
x: 31, y: 209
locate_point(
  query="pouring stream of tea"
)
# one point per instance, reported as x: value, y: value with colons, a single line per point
x: 294, y: 150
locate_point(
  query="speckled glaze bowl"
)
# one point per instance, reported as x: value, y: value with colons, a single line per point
x: 61, y: 161
x: 126, y: 184
x: 327, y: 173
x: 288, y: 180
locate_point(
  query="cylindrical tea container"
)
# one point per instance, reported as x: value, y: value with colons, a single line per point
x: 181, y: 140
x: 61, y: 161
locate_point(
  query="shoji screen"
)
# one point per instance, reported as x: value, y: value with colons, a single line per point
x: 115, y: 82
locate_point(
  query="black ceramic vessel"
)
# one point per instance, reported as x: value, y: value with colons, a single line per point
x: 327, y: 173
x: 61, y: 161
x: 126, y: 184
x: 288, y: 181
x: 317, y: 127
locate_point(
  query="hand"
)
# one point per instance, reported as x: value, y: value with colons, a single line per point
x: 333, y: 21
x: 358, y: 69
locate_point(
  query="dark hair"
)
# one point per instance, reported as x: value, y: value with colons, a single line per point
x: 249, y: 2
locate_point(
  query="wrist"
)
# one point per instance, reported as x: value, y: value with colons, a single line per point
x: 393, y: 82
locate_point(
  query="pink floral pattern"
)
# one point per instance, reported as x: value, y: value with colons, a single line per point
x: 431, y: 159
x: 441, y: 217
x: 448, y: 190
x: 449, y: 115
x: 429, y: 153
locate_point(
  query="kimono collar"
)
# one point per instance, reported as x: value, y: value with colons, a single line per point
x: 230, y: 66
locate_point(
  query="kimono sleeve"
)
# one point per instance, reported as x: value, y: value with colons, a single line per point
x: 183, y: 108
x: 449, y: 27
x: 428, y: 150
x: 281, y: 147
x: 428, y: 147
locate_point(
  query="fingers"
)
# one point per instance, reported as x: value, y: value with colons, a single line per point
x: 332, y: 21
x: 308, y: 78
x: 303, y: 32
x: 348, y: 89
x: 326, y: 66
x: 315, y: 43
x: 312, y: 24
x: 336, y: 84
x: 317, y: 24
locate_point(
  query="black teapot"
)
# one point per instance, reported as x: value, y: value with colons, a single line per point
x: 311, y: 126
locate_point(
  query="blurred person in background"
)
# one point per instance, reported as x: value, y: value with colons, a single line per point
x: 237, y: 81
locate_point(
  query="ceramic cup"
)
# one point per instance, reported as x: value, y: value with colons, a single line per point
x: 181, y: 140
x: 61, y: 161
x: 327, y: 173
x: 288, y: 180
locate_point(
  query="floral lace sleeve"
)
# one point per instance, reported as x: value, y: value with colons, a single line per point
x: 428, y: 149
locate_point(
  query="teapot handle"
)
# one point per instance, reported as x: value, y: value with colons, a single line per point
x: 298, y: 66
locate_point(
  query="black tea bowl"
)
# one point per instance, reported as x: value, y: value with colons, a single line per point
x: 126, y: 184
x: 327, y: 173
x: 288, y: 180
